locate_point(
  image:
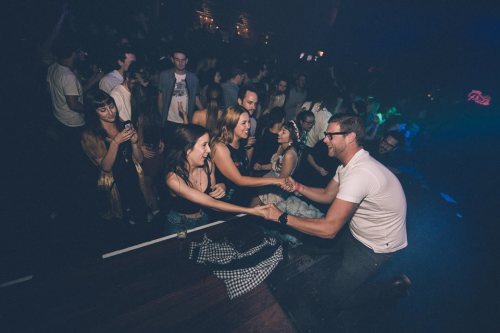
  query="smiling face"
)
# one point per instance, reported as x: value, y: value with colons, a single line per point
x: 107, y: 113
x: 242, y: 127
x: 249, y: 102
x: 337, y: 144
x: 197, y: 155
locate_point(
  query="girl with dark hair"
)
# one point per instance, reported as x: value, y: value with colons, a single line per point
x: 230, y: 155
x: 191, y: 181
x: 283, y: 163
x: 113, y: 147
x: 208, y: 117
x: 267, y: 135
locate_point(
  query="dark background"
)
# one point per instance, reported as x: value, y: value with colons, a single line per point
x: 421, y: 46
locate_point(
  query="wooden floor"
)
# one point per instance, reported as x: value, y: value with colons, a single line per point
x: 152, y: 289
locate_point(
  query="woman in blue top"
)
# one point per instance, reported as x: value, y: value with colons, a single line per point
x: 191, y: 181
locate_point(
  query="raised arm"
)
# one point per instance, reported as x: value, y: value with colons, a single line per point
x: 222, y: 159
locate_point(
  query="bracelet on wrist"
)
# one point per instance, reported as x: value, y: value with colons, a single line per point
x: 298, y: 187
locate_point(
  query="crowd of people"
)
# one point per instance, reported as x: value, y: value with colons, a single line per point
x: 180, y: 148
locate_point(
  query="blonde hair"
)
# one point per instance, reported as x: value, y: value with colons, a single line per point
x: 227, y: 123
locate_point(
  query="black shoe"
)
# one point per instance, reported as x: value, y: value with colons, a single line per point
x: 401, y: 285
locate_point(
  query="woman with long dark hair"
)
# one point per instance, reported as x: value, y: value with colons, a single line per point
x: 191, y: 181
x: 113, y: 147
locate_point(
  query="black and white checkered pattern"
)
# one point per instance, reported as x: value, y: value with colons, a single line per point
x: 238, y: 271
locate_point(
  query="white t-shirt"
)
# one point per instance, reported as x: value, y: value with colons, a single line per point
x: 110, y: 80
x: 321, y: 117
x: 180, y: 95
x: 63, y: 82
x: 380, y: 220
x: 122, y: 100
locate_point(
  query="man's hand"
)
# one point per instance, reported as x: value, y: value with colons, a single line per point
x: 289, y: 184
x: 272, y: 213
x: 218, y: 191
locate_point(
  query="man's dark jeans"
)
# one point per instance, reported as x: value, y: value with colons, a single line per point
x: 359, y: 263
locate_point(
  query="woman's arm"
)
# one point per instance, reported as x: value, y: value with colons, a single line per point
x: 136, y: 148
x: 289, y: 163
x: 223, y: 161
x: 259, y: 167
x: 109, y: 159
x: 180, y: 188
x: 322, y: 171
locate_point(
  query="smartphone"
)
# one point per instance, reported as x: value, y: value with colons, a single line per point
x: 128, y: 124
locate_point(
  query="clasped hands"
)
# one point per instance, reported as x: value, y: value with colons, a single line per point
x: 288, y: 184
x: 269, y: 212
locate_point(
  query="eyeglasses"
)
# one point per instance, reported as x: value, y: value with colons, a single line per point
x: 331, y: 134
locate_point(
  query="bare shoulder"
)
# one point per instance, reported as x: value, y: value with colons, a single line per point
x: 219, y: 149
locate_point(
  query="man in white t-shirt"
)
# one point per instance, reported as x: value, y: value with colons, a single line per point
x: 369, y: 197
x: 66, y: 90
x: 124, y: 57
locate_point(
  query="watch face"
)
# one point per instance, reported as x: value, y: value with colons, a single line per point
x: 283, y: 219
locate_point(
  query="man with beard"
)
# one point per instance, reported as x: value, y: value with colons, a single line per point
x: 367, y: 196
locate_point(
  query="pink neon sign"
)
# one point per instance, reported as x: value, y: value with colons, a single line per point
x: 477, y: 97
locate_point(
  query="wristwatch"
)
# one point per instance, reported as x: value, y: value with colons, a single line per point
x: 283, y: 219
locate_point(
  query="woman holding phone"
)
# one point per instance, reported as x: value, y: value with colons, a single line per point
x: 112, y: 146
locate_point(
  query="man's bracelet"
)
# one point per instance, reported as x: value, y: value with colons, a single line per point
x: 298, y: 187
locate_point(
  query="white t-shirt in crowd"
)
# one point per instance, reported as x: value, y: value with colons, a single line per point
x: 110, y: 80
x: 63, y: 82
x: 121, y: 95
x: 321, y: 117
x: 380, y: 220
x: 180, y: 95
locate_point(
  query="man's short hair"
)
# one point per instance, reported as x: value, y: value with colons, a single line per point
x: 243, y: 91
x: 120, y: 54
x: 65, y: 46
x: 350, y: 122
x: 302, y: 115
x: 235, y: 71
x: 399, y: 136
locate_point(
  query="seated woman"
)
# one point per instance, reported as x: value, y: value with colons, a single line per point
x: 208, y: 117
x: 267, y: 136
x: 283, y: 163
x: 113, y: 147
x: 230, y: 155
x: 191, y: 181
